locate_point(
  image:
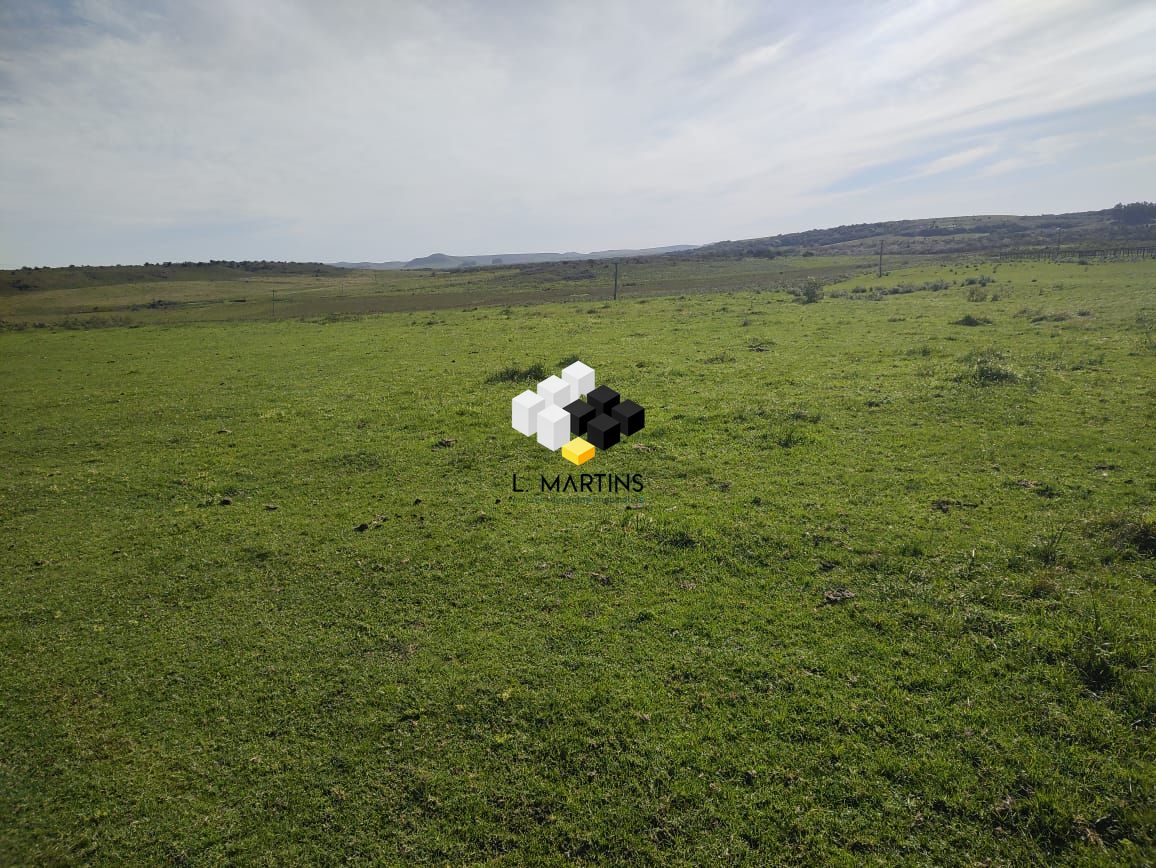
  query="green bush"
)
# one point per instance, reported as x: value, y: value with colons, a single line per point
x: 811, y: 292
x: 970, y: 320
x: 988, y: 367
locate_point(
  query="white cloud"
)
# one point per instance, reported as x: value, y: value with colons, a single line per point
x: 1038, y: 153
x: 360, y: 130
x: 955, y: 161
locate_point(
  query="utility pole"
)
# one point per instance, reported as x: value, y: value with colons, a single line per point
x: 880, y: 257
x: 616, y: 280
x: 1059, y: 235
x: 274, y: 304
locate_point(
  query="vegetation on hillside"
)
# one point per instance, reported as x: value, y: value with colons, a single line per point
x: 31, y: 279
x: 1121, y: 224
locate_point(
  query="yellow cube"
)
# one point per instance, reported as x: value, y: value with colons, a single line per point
x: 578, y: 451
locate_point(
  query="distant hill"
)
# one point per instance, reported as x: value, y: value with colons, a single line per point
x: 987, y: 232
x: 968, y: 234
x: 378, y: 266
x: 443, y: 261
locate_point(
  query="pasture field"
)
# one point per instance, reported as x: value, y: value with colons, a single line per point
x: 84, y: 298
x: 887, y: 597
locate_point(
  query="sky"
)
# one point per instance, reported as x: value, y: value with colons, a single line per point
x: 346, y: 130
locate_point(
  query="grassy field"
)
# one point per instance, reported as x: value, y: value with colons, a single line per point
x: 886, y: 598
x: 80, y: 298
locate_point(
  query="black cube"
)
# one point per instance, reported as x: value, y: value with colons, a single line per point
x: 602, y: 399
x: 580, y: 415
x: 603, y: 431
x: 630, y: 416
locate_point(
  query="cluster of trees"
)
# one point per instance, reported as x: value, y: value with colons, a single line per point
x: 1134, y: 213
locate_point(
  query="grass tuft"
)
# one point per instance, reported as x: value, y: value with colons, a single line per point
x: 987, y: 368
x: 969, y: 320
x: 513, y: 374
x: 1131, y: 534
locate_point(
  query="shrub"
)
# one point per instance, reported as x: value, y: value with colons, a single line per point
x: 514, y: 374
x: 970, y: 320
x: 988, y: 367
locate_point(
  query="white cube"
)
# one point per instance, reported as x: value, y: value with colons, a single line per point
x: 553, y: 427
x: 581, y: 377
x: 525, y: 410
x: 557, y: 391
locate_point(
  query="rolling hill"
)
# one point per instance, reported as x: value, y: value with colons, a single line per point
x: 975, y: 233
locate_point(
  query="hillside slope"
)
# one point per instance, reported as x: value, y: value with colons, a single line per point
x: 954, y: 234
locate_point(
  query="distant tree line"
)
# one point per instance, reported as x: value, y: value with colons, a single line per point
x: 254, y: 265
x: 1134, y: 213
x: 50, y: 277
x: 243, y: 265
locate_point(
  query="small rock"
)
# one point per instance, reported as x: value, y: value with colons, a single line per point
x: 270, y: 506
x: 224, y: 431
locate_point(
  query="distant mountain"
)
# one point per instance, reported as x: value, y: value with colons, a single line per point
x: 985, y: 232
x: 443, y: 261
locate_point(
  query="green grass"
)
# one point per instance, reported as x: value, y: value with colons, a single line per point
x: 874, y: 604
x: 71, y: 298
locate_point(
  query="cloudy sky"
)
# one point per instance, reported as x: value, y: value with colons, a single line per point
x: 338, y: 129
